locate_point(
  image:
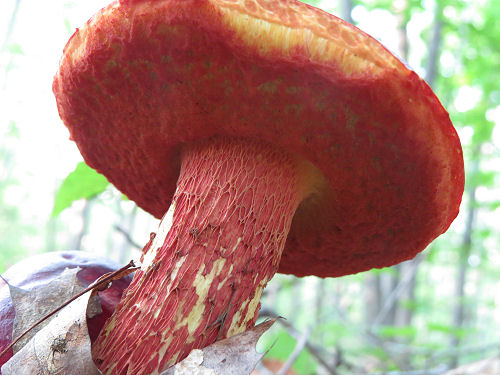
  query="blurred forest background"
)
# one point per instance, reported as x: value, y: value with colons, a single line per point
x: 425, y: 316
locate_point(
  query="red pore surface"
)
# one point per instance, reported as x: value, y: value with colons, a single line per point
x: 142, y: 78
x: 203, y: 276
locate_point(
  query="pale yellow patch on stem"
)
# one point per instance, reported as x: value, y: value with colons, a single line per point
x: 202, y: 285
x: 237, y: 324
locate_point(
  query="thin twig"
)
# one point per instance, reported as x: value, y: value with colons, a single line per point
x: 127, y: 237
x: 100, y: 284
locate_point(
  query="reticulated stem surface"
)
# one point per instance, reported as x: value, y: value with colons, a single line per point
x: 203, y: 274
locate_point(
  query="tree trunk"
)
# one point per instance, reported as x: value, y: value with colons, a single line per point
x: 431, y: 69
x: 296, y: 303
x: 401, y: 10
x: 319, y: 309
x: 389, y: 283
x: 346, y: 10
x: 405, y: 314
x: 85, y: 224
x: 459, y: 307
x: 126, y: 226
x: 372, y: 298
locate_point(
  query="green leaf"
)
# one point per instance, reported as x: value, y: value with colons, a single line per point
x: 372, y: 351
x: 335, y: 329
x: 396, y: 331
x: 385, y: 270
x: 83, y: 183
x: 409, y: 304
x: 67, y: 25
x: 285, y: 345
x: 15, y: 49
x: 282, y: 345
x: 448, y: 329
x: 315, y: 3
x: 13, y: 130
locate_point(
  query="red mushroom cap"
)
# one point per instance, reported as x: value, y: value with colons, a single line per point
x: 143, y: 78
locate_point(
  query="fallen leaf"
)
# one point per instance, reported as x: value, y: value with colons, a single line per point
x: 61, y: 347
x: 234, y: 355
x: 192, y: 364
x: 34, y: 297
x: 32, y: 305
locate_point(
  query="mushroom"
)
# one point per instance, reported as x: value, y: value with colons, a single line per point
x: 282, y: 138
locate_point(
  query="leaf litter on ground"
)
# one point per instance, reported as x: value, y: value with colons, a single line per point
x: 61, y: 343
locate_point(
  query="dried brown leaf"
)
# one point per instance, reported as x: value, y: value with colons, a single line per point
x: 234, y: 355
x: 61, y: 347
x: 32, y: 305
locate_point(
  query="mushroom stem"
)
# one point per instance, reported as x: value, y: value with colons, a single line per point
x: 203, y: 274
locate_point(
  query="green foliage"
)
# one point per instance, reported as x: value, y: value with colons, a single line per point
x: 335, y: 330
x: 375, y: 351
x: 11, y: 249
x: 397, y: 331
x: 14, y: 49
x: 13, y: 130
x: 283, y: 347
x: 68, y: 27
x: 313, y: 2
x: 12, y: 228
x: 83, y: 183
x: 385, y: 270
x: 448, y: 329
x: 482, y: 178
